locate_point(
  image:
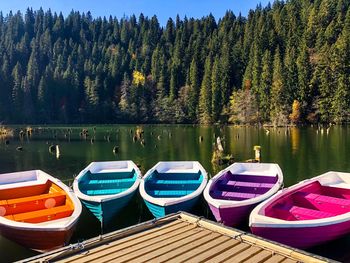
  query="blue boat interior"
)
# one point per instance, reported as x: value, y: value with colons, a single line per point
x: 172, y: 185
x: 95, y: 184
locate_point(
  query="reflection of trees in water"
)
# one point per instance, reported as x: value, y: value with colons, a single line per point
x: 5, y: 133
x: 295, y: 139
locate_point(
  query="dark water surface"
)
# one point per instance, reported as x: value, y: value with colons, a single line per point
x: 301, y: 152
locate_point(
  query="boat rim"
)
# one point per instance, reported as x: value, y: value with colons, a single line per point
x: 172, y: 201
x: 257, y: 220
x: 54, y: 225
x: 105, y: 198
x: 220, y: 203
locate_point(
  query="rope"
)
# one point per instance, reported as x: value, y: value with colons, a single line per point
x: 198, y: 220
x: 239, y: 236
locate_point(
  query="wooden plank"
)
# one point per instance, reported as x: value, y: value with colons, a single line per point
x: 133, y: 244
x: 133, y: 239
x: 246, y: 254
x: 181, y: 237
x: 260, y: 257
x: 205, y: 253
x: 288, y: 260
x: 226, y: 255
x: 294, y: 253
x: 125, y: 255
x: 275, y: 259
x: 74, y: 249
x: 173, y: 250
x: 201, y: 252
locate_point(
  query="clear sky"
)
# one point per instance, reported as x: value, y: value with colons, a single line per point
x: 162, y: 8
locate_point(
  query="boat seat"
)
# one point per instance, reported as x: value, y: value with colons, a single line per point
x: 33, y: 203
x: 327, y: 199
x: 111, y: 175
x: 253, y: 178
x: 245, y: 184
x: 43, y: 215
x: 245, y: 187
x: 35, y: 198
x: 249, y: 184
x: 324, y: 202
x: 177, y: 176
x: 161, y: 182
x: 233, y: 195
x: 110, y: 181
x: 105, y: 191
x: 302, y: 213
x: 169, y: 193
x: 173, y: 185
x: 24, y: 191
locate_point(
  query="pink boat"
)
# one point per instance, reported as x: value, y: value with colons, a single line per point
x: 309, y: 213
x: 235, y: 191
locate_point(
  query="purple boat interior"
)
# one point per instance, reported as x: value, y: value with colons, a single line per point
x: 238, y: 187
x: 314, y: 201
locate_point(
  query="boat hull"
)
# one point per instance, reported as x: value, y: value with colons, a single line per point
x: 231, y: 216
x: 303, y: 237
x: 107, y: 210
x: 160, y: 211
x: 38, y: 239
x: 307, y: 214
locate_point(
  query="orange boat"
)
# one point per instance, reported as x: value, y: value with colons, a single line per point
x: 37, y: 210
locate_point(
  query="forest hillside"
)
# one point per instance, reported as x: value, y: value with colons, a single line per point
x: 288, y: 62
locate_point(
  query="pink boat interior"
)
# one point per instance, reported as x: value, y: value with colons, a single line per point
x: 313, y: 201
x: 239, y: 187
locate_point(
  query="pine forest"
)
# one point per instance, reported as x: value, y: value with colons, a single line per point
x: 285, y: 63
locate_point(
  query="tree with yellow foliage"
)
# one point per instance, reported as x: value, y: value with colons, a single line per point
x: 295, y: 115
x: 138, y: 78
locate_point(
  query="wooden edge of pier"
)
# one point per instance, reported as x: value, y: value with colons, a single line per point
x: 179, y: 237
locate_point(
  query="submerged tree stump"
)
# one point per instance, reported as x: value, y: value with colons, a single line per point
x: 115, y: 149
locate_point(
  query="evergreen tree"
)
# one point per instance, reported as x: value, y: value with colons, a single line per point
x: 216, y: 94
x: 194, y: 86
x: 78, y: 68
x: 278, y: 106
x: 205, y: 99
x: 265, y: 86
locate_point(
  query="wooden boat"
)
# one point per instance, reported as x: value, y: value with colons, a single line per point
x: 107, y: 187
x: 37, y: 210
x: 235, y: 191
x: 170, y: 187
x: 309, y: 213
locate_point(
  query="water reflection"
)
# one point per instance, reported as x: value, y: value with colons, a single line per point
x: 301, y: 152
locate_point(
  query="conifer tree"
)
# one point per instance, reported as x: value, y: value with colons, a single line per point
x: 278, y: 106
x: 194, y: 86
x: 265, y: 86
x: 216, y: 94
x: 205, y: 99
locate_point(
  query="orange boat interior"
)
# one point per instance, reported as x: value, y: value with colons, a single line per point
x: 35, y: 203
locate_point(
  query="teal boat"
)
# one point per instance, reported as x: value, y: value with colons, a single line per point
x: 107, y: 187
x: 170, y: 187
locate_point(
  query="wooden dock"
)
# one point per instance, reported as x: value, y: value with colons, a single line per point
x: 178, y: 238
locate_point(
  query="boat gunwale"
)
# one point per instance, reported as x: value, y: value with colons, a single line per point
x: 221, y: 203
x: 175, y: 200
x: 105, y: 198
x: 53, y: 225
x: 258, y: 220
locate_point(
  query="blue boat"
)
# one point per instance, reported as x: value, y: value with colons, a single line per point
x: 170, y: 187
x: 106, y: 187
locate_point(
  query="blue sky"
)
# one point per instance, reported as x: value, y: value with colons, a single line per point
x: 162, y: 8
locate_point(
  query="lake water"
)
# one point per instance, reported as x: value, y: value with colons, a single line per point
x: 301, y: 152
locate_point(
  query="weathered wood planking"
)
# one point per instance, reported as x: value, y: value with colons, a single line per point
x: 178, y: 238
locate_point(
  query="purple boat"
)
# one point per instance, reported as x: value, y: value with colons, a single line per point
x: 234, y: 192
x: 307, y: 214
